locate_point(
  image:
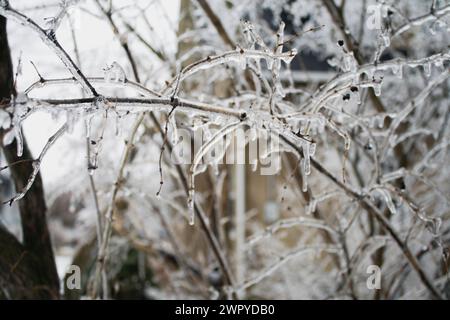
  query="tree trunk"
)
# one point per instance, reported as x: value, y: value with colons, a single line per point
x: 27, y: 270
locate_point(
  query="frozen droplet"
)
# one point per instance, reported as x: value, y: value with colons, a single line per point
x: 287, y: 58
x: 439, y: 63
x: 333, y: 62
x: 114, y: 73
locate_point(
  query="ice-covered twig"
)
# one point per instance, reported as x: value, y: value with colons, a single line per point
x: 369, y: 69
x: 236, y: 56
x: 286, y: 258
x: 143, y: 104
x: 94, y: 80
x: 433, y: 15
x: 199, y: 158
x: 289, y: 223
x: 49, y: 38
x: 379, y: 216
x: 36, y: 164
x: 419, y: 99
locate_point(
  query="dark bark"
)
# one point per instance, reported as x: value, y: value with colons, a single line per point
x: 27, y: 270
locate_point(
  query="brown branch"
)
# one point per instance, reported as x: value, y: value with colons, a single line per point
x: 216, y: 23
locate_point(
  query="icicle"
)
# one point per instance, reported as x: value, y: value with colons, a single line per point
x: 19, y: 139
x: 306, y: 162
x: 198, y: 159
x: 312, y: 149
x: 311, y: 208
x: 118, y: 125
x: 350, y: 64
x: 304, y: 177
x: 356, y: 92
x: 173, y: 124
x: 427, y: 69
x: 333, y: 62
x: 344, y: 135
x: 191, y: 200
x: 377, y: 89
x: 243, y: 62
x: 386, y: 39
x: 254, y: 164
x: 88, y: 125
x: 279, y: 88
x: 393, y: 175
x: 253, y: 134
x: 387, y: 199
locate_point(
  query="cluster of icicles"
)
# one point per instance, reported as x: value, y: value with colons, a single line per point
x: 12, y: 117
x: 273, y: 148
